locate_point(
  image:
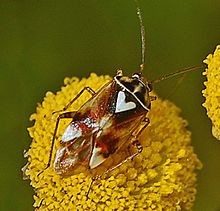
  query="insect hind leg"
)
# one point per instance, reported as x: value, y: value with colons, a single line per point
x: 134, y: 143
x: 87, y: 88
x: 139, y: 148
x: 65, y: 115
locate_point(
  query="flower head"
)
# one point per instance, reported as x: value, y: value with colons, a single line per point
x: 212, y: 91
x: 161, y: 177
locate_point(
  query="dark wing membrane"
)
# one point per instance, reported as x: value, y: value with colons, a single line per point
x: 111, y: 138
x: 116, y: 158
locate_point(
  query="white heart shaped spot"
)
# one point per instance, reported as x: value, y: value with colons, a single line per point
x: 121, y: 105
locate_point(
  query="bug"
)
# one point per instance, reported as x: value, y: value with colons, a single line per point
x: 107, y: 122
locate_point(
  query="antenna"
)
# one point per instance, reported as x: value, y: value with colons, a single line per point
x: 143, y: 48
x: 179, y: 72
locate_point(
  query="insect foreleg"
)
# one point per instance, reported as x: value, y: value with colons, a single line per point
x: 61, y: 116
x: 87, y: 88
x: 146, y: 123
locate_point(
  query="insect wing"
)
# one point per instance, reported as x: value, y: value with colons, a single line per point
x: 77, y: 141
x: 97, y: 106
x: 72, y: 154
x: 100, y: 127
x: 111, y: 138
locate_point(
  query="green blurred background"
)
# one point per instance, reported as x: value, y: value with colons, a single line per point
x: 42, y: 41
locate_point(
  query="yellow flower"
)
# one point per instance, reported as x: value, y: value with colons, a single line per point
x: 162, y: 177
x: 212, y: 91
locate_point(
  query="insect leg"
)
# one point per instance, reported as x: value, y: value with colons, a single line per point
x: 135, y: 143
x: 152, y: 98
x: 87, y: 88
x: 139, y: 147
x: 146, y: 123
x: 90, y: 185
x: 61, y: 116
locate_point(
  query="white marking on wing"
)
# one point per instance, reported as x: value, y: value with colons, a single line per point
x: 104, y: 123
x: 96, y: 159
x: 71, y: 132
x: 59, y: 154
x: 61, y: 165
x: 121, y: 105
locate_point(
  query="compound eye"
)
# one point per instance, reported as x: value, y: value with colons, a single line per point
x: 119, y: 73
x: 136, y: 75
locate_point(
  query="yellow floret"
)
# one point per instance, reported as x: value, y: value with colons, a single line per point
x: 212, y: 91
x: 162, y: 177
